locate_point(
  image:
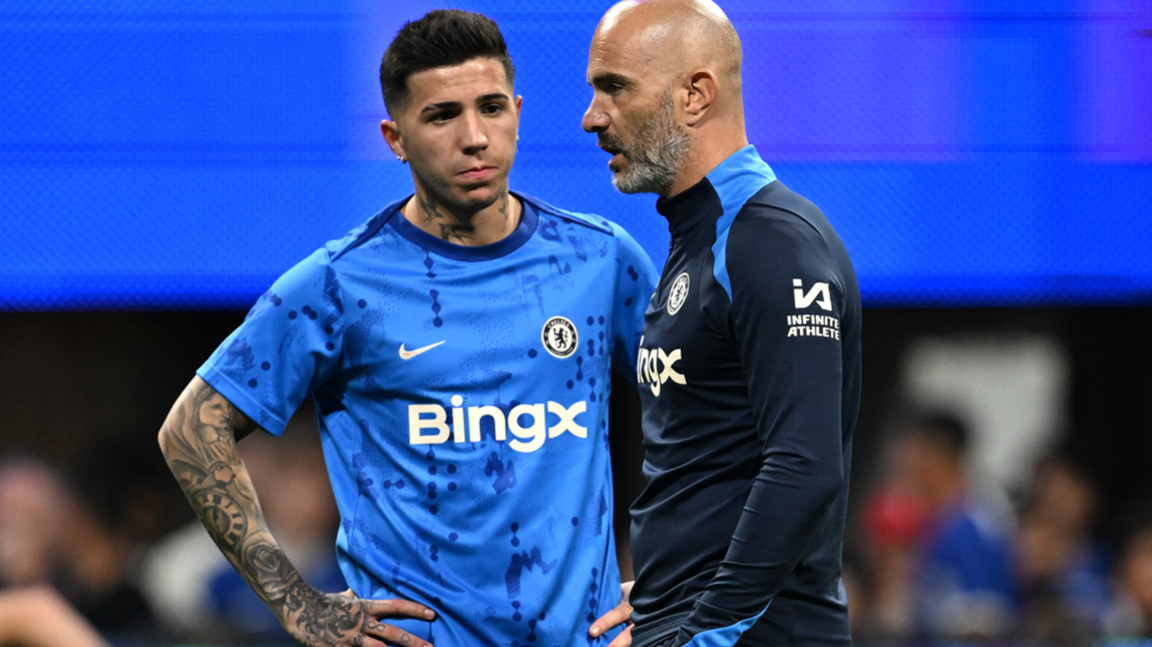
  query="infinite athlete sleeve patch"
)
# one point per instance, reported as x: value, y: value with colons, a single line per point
x: 813, y: 325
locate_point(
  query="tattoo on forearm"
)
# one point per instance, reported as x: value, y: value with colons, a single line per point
x: 222, y: 515
x: 201, y: 451
x: 200, y: 446
x: 320, y: 616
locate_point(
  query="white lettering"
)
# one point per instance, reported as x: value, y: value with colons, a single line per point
x: 567, y: 419
x: 534, y: 432
x: 807, y: 325
x: 655, y: 367
x: 641, y: 360
x: 814, y: 320
x: 653, y: 371
x: 428, y: 423
x: 417, y: 421
x: 475, y: 414
x: 831, y: 332
x: 669, y: 373
x: 819, y: 294
x: 457, y: 419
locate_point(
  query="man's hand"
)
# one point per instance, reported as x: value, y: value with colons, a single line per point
x: 617, y: 616
x: 321, y: 619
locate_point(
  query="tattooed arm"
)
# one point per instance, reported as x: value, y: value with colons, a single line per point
x: 199, y: 442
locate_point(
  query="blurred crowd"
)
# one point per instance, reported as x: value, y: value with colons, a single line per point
x: 109, y: 552
x: 941, y: 555
x: 101, y: 554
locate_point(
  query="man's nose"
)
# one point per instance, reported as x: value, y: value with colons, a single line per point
x: 473, y: 136
x: 595, y: 120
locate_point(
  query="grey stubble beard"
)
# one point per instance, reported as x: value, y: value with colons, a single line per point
x: 657, y: 154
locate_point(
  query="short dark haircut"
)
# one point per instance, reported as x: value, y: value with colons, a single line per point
x: 442, y: 38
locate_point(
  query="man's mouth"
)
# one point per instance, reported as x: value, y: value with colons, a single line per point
x: 616, y: 150
x: 610, y: 146
x: 479, y: 172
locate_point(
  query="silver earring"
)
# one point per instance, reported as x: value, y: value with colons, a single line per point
x: 403, y: 160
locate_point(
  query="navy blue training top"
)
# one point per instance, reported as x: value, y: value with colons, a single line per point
x: 749, y: 374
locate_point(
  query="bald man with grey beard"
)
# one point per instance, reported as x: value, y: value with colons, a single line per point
x: 749, y: 368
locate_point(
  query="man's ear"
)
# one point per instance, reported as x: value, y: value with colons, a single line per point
x: 702, y: 90
x: 391, y: 132
x: 517, y: 103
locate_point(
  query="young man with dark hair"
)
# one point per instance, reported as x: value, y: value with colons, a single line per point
x: 458, y: 347
x: 442, y: 38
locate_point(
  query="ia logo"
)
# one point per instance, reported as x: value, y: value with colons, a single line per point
x: 818, y: 294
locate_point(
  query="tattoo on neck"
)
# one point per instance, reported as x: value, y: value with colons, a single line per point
x: 504, y: 210
x: 431, y: 210
x: 449, y: 226
x: 455, y: 230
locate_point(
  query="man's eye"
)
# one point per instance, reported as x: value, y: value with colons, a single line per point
x: 492, y: 109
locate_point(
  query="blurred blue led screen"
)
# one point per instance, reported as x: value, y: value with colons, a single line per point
x: 159, y: 154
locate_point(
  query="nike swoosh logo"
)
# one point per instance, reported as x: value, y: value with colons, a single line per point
x: 409, y: 354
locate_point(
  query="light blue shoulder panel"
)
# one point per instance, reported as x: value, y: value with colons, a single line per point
x: 736, y: 180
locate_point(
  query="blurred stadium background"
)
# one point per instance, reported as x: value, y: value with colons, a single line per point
x: 987, y: 163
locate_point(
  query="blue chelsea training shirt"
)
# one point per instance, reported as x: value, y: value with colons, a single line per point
x: 462, y: 395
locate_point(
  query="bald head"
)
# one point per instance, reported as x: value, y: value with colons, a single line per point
x: 666, y: 98
x: 675, y: 36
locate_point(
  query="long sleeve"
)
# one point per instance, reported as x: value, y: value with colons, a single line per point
x: 794, y: 379
x: 750, y: 366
